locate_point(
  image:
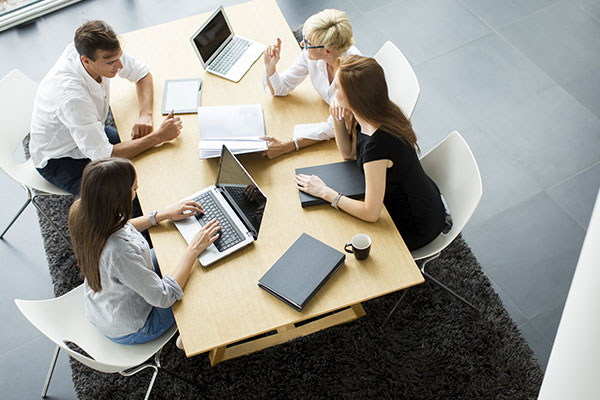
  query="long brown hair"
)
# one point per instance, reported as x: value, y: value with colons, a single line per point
x: 363, y: 81
x: 103, y: 208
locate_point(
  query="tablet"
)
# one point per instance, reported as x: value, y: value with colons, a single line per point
x: 182, y: 96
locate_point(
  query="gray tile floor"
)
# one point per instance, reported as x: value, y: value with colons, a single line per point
x: 519, y: 79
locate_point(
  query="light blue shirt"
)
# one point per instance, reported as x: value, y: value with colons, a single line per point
x: 130, y: 287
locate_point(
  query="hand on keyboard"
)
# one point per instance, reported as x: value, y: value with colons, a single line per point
x: 205, y: 237
x: 181, y: 210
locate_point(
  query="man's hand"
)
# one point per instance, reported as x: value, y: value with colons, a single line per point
x: 142, y: 127
x: 170, y: 128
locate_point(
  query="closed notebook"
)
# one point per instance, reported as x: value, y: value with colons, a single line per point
x: 344, y: 177
x: 301, y: 271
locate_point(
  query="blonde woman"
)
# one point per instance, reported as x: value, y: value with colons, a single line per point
x: 327, y: 36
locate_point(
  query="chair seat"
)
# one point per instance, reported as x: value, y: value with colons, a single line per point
x: 63, y: 320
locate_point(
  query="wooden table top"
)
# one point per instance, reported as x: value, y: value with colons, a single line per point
x: 222, y: 303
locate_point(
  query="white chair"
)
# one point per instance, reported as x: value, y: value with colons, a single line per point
x: 403, y: 86
x: 453, y: 168
x: 17, y: 93
x: 63, y: 320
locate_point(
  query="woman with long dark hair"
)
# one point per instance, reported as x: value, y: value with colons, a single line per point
x: 125, y: 296
x: 370, y: 127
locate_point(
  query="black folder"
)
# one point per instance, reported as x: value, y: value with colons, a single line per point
x: 344, y: 177
x: 301, y: 271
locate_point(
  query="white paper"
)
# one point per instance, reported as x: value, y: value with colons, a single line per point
x: 228, y: 122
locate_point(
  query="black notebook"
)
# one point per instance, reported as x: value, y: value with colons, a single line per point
x: 301, y: 271
x: 344, y: 177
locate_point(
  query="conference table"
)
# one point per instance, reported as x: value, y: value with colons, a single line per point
x: 223, y: 305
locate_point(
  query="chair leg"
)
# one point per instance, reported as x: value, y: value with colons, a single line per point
x: 452, y: 292
x: 154, y: 374
x: 156, y: 366
x: 39, y: 208
x: 394, y: 309
x: 23, y: 207
x: 157, y: 362
x: 50, y: 371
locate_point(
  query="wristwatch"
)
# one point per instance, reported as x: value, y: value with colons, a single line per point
x: 153, y: 217
x: 296, y: 145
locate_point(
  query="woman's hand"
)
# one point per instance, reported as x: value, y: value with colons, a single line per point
x: 271, y: 57
x: 337, y: 112
x: 204, y: 238
x: 312, y: 185
x: 180, y: 210
x: 276, y: 147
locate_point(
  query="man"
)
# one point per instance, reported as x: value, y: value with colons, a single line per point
x: 71, y: 105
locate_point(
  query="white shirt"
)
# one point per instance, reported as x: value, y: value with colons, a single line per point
x: 70, y: 109
x: 288, y: 80
x: 130, y: 287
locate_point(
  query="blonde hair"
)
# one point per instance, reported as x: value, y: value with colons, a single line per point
x: 329, y: 28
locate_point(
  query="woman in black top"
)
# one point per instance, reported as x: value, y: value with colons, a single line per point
x: 370, y: 127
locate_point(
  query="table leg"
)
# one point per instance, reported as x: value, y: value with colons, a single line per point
x: 286, y: 333
x: 216, y: 355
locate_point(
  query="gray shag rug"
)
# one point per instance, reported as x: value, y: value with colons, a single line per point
x: 432, y: 348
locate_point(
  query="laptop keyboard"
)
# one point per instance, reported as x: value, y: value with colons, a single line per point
x: 229, y: 234
x: 228, y: 57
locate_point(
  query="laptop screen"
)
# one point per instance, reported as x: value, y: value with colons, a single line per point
x: 212, y: 36
x: 242, y: 193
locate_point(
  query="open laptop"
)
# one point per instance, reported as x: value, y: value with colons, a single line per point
x: 221, y: 52
x: 236, y: 201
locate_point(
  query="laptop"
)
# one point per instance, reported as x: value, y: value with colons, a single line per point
x: 236, y: 201
x: 221, y: 52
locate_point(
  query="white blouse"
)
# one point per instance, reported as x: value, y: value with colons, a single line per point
x: 288, y: 80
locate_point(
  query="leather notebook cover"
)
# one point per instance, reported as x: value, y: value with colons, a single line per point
x: 344, y: 177
x: 301, y: 271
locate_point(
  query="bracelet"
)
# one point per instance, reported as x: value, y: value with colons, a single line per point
x: 336, y: 200
x: 296, y: 145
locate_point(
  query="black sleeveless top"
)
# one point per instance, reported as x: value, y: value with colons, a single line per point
x: 411, y: 197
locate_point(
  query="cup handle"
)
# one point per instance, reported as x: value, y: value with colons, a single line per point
x: 346, y: 248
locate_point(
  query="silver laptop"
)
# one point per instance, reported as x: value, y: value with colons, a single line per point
x: 236, y: 201
x: 221, y: 52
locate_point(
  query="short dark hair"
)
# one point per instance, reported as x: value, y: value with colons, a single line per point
x: 95, y: 35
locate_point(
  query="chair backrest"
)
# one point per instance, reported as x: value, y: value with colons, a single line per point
x: 63, y: 320
x: 17, y: 93
x: 453, y: 168
x: 403, y: 86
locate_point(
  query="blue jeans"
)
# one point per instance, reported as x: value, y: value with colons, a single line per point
x: 66, y: 172
x: 158, y: 322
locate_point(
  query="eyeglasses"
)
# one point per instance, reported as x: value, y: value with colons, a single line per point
x: 307, y: 45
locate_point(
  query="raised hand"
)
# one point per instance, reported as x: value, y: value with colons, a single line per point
x: 271, y: 57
